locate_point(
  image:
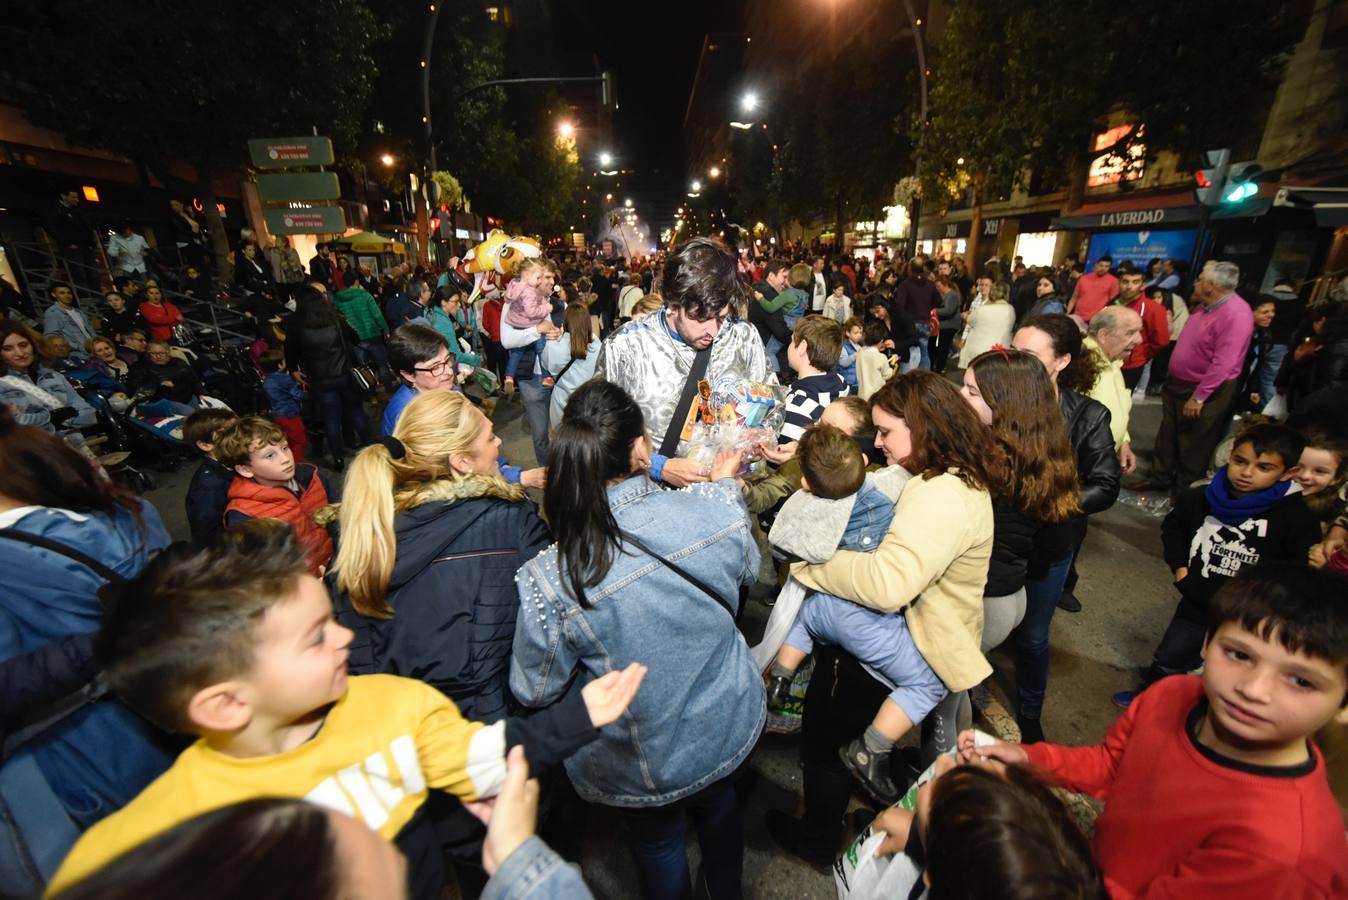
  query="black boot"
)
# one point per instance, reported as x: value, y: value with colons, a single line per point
x: 1031, y: 732
x: 785, y: 831
x: 779, y: 692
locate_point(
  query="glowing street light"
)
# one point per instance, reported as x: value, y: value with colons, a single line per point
x: 606, y: 159
x: 566, y: 129
x: 386, y: 159
x: 749, y: 102
x: 697, y: 185
x: 714, y: 172
x: 608, y: 196
x: 628, y: 202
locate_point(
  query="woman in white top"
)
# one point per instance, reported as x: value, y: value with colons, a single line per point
x: 988, y: 325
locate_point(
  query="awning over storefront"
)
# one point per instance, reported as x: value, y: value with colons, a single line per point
x: 369, y: 242
x: 1153, y: 212
x: 1330, y: 204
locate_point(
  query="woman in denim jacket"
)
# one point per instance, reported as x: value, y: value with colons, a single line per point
x: 600, y: 598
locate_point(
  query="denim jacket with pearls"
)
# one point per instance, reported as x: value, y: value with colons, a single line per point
x: 701, y: 706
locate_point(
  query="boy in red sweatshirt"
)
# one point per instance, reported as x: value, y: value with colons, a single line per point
x: 268, y: 484
x: 1212, y: 786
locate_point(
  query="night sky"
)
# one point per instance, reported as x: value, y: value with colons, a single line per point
x: 653, y: 51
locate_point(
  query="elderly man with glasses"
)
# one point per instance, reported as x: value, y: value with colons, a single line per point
x: 1204, y: 376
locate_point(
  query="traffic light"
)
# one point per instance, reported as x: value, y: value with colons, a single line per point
x: 1210, y: 180
x: 1241, y: 181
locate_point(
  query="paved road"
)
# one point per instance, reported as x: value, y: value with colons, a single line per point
x: 1126, y: 593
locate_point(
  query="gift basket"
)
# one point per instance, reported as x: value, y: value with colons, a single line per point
x: 735, y: 415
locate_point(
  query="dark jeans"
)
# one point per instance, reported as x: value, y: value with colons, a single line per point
x: 537, y: 403
x: 372, y: 353
x: 1184, y: 446
x: 336, y: 402
x: 940, y: 351
x: 923, y: 340
x: 839, y: 703
x: 1041, y: 599
x: 657, y: 840
x: 1181, y: 646
x: 1078, y: 525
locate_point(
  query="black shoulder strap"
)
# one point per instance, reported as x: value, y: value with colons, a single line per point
x: 57, y: 547
x: 681, y: 572
x: 675, y: 429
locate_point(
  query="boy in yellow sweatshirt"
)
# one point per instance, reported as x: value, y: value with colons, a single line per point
x: 236, y: 644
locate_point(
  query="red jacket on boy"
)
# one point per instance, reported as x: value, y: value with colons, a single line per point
x: 250, y: 500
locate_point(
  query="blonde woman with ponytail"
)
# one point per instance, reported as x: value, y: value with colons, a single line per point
x: 431, y: 537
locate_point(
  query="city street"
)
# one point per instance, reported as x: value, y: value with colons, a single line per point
x: 1126, y: 597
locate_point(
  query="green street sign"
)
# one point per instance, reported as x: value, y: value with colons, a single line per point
x: 312, y: 220
x: 296, y: 152
x: 298, y: 186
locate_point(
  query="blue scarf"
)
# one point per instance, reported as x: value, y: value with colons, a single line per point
x: 1231, y: 510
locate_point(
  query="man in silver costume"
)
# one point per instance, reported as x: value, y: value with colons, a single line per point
x: 651, y: 359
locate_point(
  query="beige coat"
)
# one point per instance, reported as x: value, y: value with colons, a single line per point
x: 990, y: 324
x: 933, y: 565
x: 873, y: 370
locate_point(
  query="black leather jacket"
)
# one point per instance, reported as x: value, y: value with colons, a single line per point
x: 1097, y: 464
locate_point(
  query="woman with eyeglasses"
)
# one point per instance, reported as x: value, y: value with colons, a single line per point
x: 318, y: 353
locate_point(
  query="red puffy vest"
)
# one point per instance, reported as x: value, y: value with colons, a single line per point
x: 255, y: 501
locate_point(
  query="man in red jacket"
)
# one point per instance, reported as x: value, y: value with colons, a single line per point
x: 1212, y: 786
x: 1155, y: 324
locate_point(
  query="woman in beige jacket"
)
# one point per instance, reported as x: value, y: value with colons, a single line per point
x: 932, y: 565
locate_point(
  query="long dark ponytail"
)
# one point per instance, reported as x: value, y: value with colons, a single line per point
x: 593, y: 445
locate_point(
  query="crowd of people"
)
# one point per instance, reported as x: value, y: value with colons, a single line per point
x: 407, y: 641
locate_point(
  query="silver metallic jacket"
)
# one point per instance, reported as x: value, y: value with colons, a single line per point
x: 645, y: 360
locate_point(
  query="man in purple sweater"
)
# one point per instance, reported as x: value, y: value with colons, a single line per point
x: 1200, y: 390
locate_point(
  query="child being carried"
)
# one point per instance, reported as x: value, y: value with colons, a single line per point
x: 527, y: 307
x: 841, y: 507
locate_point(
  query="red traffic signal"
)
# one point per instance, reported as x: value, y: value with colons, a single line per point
x: 1202, y: 180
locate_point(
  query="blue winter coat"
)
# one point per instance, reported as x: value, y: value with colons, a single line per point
x: 99, y: 758
x: 452, y: 593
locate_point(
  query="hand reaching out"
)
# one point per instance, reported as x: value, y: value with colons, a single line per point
x: 682, y: 472
x: 896, y: 822
x: 726, y: 464
x: 609, y: 695
x: 1011, y: 754
x: 779, y: 453
x: 513, y: 813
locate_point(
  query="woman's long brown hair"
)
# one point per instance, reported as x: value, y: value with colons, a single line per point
x: 1028, y: 423
x: 579, y: 328
x: 43, y: 470
x: 946, y: 434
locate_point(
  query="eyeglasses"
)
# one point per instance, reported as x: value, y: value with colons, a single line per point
x: 435, y: 368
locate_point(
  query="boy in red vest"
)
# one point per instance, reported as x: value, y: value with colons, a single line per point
x: 269, y: 485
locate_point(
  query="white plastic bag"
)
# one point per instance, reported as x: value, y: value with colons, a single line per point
x: 1276, y: 407
x: 783, y: 616
x: 858, y: 875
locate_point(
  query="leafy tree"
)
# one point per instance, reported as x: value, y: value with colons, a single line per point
x: 189, y: 81
x: 1021, y: 86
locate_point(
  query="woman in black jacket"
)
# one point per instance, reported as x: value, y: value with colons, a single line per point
x: 1056, y: 340
x: 318, y: 353
x: 902, y: 332
x: 431, y: 538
